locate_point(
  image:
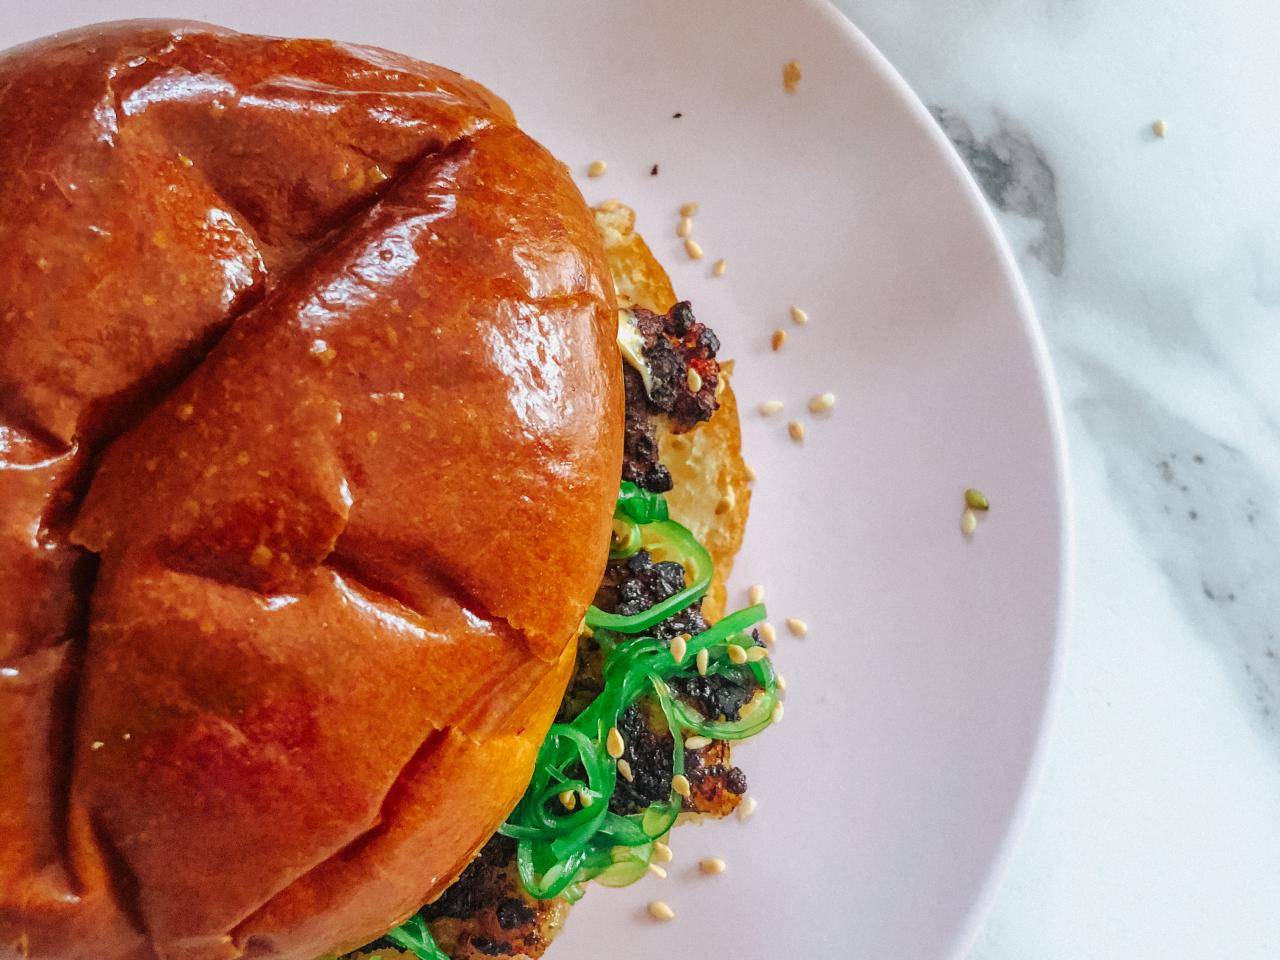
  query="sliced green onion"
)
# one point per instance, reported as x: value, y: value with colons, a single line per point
x: 415, y: 937
x: 640, y: 505
x: 669, y: 536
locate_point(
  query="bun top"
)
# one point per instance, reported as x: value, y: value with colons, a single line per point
x: 310, y: 432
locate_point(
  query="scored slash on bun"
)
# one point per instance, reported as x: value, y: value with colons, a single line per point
x: 307, y: 381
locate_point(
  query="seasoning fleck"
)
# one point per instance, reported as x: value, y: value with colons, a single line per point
x: 791, y: 75
x: 680, y: 784
x: 746, y: 809
x: 712, y: 866
x: 778, y: 339
x: 822, y: 403
x: 661, y: 911
x: 968, y: 523
x: 797, y: 627
x: 653, y: 171
x: 597, y: 168
x: 770, y: 407
x: 689, y: 209
x: 976, y: 499
x: 796, y: 429
x: 693, y: 248
x: 799, y: 317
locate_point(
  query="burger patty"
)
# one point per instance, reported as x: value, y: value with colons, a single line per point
x: 486, y: 913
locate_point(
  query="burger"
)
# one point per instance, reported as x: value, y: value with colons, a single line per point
x: 366, y: 501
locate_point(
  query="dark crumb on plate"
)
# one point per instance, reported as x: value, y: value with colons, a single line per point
x: 653, y: 171
x: 677, y: 115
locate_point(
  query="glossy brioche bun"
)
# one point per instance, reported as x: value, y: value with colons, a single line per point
x: 310, y: 434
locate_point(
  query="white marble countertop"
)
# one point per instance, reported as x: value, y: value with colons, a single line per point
x: 1155, y: 267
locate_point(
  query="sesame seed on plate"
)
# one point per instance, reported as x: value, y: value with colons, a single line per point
x: 696, y: 743
x: 657, y: 871
x: 614, y: 743
x: 756, y: 654
x: 684, y: 228
x: 968, y: 523
x: 711, y: 866
x: 822, y: 403
x: 778, y: 339
x: 680, y: 784
x: 720, y: 267
x: 746, y: 809
x: 796, y: 429
x: 776, y: 716
x: 689, y: 209
x: 1160, y: 129
x: 662, y: 853
x: 797, y: 627
x: 756, y: 593
x: 768, y: 634
x: 679, y: 645
x: 770, y: 407
x: 781, y: 683
x: 702, y: 660
x: 661, y: 911
x: 799, y: 317
x: 597, y: 168
x: 693, y: 248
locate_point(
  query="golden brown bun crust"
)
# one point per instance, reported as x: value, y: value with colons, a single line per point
x: 711, y: 493
x: 309, y: 391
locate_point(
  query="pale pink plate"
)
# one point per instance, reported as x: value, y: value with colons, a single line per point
x: 889, y: 797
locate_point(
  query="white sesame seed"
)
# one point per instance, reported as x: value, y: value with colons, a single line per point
x: 680, y: 784
x: 696, y: 743
x: 822, y: 403
x: 689, y: 210
x: 797, y: 627
x: 693, y: 248
x: 660, y: 911
x: 781, y: 683
x: 968, y: 523
x: 799, y: 317
x: 796, y: 429
x: 610, y: 205
x: 712, y: 866
x: 756, y: 654
x: 749, y: 471
x: 768, y: 634
x: 756, y: 593
x: 568, y: 799
x: 657, y: 871
x: 679, y: 645
x: 776, y: 716
x: 737, y: 654
x: 770, y: 407
x: 1160, y: 129
x: 585, y: 799
x: 746, y: 809
x: 777, y: 340
x: 702, y: 660
x: 694, y: 379
x: 624, y: 771
x: 684, y: 228
x: 597, y: 168
x: 662, y: 853
x: 721, y: 266
x: 614, y: 743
